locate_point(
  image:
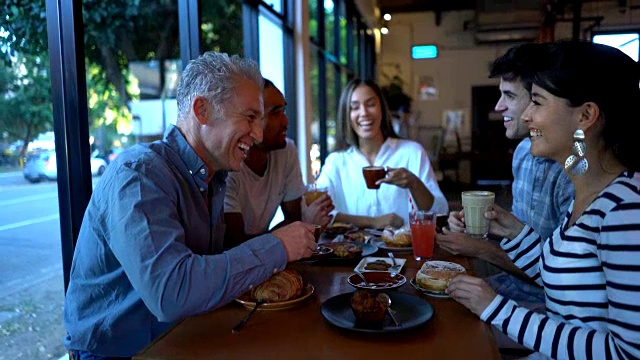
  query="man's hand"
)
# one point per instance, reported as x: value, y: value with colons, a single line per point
x: 460, y: 244
x: 318, y: 212
x: 297, y: 239
x: 456, y: 221
x: 471, y: 292
x: 391, y: 219
x: 503, y: 223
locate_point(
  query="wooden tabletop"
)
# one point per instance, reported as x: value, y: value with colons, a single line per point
x: 301, y: 332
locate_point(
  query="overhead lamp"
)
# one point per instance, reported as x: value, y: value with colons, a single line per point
x: 386, y: 17
x: 384, y: 30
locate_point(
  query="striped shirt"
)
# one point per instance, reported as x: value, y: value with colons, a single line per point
x: 591, y: 275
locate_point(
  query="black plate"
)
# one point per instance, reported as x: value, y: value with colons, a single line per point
x: 367, y: 249
x: 410, y: 310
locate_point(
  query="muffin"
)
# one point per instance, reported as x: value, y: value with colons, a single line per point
x: 435, y: 275
x: 369, y: 307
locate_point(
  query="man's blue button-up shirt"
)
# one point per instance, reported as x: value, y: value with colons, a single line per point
x: 149, y: 251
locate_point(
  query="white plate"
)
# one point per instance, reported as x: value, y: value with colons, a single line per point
x: 381, y: 245
x: 365, y: 261
x: 436, y: 294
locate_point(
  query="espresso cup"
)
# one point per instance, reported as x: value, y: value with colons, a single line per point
x: 475, y: 204
x: 373, y: 174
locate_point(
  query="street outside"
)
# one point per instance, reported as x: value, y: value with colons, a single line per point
x: 31, y: 278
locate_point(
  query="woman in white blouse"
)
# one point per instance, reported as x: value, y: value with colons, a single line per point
x: 365, y: 137
x: 584, y: 114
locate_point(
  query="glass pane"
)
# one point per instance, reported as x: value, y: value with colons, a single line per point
x: 315, y: 112
x: 275, y: 4
x: 356, y: 46
x: 344, y: 80
x: 31, y: 285
x: 217, y: 17
x: 313, y: 20
x: 627, y: 43
x: 271, y: 51
x: 332, y: 105
x: 329, y: 26
x: 343, y: 34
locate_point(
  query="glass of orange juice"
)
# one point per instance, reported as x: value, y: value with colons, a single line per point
x: 423, y: 232
x: 314, y: 193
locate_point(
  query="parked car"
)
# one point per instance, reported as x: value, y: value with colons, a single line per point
x: 42, y: 166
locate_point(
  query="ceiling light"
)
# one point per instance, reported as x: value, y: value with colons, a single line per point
x: 384, y: 30
x: 387, y: 17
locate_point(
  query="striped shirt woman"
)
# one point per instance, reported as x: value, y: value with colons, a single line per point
x: 591, y: 275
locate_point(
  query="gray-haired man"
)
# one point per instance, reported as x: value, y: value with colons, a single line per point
x: 149, y: 252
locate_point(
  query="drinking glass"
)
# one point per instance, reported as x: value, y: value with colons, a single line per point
x: 475, y: 204
x: 423, y: 232
x: 314, y: 193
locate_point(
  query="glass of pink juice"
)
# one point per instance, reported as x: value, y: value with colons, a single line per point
x: 423, y: 232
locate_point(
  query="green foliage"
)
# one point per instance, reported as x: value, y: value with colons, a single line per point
x: 25, y: 23
x: 221, y: 26
x: 25, y: 108
x: 395, y: 95
x: 393, y: 88
x: 116, y: 32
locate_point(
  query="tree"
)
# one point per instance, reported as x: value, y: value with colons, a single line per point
x: 118, y: 32
x: 25, y: 103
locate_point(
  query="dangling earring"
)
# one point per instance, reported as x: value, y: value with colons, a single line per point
x: 576, y: 164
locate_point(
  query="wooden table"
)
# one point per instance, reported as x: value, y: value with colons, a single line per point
x: 301, y: 332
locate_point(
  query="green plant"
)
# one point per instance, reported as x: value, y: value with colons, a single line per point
x: 396, y: 97
x: 393, y: 88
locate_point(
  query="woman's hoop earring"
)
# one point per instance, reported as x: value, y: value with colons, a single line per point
x: 577, y: 164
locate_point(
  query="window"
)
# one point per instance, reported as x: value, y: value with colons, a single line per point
x: 341, y: 50
x: 271, y: 51
x: 627, y: 43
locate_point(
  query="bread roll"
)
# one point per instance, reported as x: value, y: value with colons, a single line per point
x: 435, y: 275
x: 396, y: 237
x: 283, y: 286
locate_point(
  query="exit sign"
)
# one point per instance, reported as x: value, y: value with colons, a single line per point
x: 424, y: 52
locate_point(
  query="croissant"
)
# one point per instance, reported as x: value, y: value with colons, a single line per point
x: 283, y: 286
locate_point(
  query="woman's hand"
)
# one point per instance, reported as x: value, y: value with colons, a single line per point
x: 400, y: 177
x: 503, y: 223
x: 391, y: 219
x: 472, y: 292
x: 456, y: 221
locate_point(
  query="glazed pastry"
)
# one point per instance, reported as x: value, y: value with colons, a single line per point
x: 435, y: 275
